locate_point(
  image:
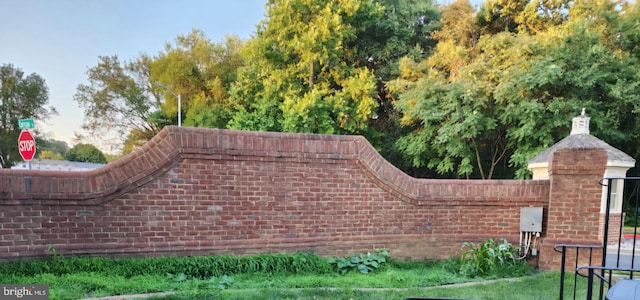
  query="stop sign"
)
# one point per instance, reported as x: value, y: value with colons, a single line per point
x: 26, y: 145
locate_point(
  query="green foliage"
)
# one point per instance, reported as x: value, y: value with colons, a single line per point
x: 628, y: 36
x: 503, y: 86
x: 118, y: 100
x: 539, y: 287
x: 201, y: 72
x: 488, y: 258
x: 21, y: 97
x: 134, y: 100
x: 523, y: 16
x: 51, y: 149
x: 90, y: 284
x: 440, y: 91
x: 215, y: 116
x: 404, y: 28
x: 561, y: 82
x: 362, y: 263
x: 221, y: 283
x: 48, y: 154
x: 202, y: 267
x: 380, y: 285
x: 630, y: 220
x: 85, y: 153
x: 300, y: 76
x: 99, y: 277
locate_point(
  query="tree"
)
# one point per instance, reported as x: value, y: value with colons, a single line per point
x: 48, y: 154
x: 445, y: 108
x: 21, y: 97
x: 201, y: 72
x: 300, y: 77
x: 51, y: 149
x: 502, y: 99
x: 85, y: 153
x: 533, y: 16
x: 118, y: 100
x: 625, y: 32
x: 556, y: 86
x: 404, y: 28
x: 136, y: 99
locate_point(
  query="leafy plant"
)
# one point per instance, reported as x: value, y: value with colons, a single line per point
x: 363, y: 263
x: 485, y: 258
x: 221, y: 283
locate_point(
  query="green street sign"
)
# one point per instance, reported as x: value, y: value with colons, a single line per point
x: 25, y: 123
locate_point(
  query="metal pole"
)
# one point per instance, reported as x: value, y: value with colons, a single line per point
x: 179, y: 101
x: 563, y: 261
x: 589, y: 284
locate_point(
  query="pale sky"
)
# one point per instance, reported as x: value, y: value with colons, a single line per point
x: 61, y: 39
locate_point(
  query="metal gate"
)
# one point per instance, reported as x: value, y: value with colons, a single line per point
x: 584, y: 271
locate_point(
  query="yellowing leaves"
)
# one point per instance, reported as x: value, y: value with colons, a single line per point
x: 358, y: 89
x: 302, y: 64
x: 449, y: 58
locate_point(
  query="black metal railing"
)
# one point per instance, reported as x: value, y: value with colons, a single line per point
x: 618, y: 256
x: 579, y: 255
x: 604, y: 277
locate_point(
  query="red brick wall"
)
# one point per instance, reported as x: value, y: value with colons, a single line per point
x: 615, y: 222
x: 203, y: 191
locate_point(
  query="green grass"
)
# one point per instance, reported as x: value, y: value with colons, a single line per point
x: 277, y: 276
x: 88, y: 284
x: 202, y: 267
x: 629, y: 230
x: 535, y: 287
x: 542, y: 286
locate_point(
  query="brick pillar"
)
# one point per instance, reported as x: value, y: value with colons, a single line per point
x: 573, y: 216
x: 615, y: 220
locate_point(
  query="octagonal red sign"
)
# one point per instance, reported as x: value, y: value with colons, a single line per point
x: 26, y: 145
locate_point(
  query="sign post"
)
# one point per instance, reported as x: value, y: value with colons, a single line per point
x: 27, y: 146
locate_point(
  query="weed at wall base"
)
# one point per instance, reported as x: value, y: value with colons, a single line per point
x: 362, y: 263
x: 490, y: 257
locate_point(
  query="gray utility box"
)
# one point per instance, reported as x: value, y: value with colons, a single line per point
x: 531, y: 219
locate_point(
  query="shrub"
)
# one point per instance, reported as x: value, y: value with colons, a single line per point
x: 630, y: 219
